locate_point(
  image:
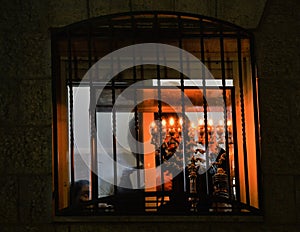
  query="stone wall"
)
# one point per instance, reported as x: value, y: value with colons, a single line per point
x: 26, y: 111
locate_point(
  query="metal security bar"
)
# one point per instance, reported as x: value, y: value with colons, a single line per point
x: 228, y: 125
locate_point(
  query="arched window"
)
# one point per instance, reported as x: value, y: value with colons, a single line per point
x: 155, y: 113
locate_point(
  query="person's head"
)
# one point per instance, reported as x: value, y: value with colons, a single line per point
x: 80, y: 192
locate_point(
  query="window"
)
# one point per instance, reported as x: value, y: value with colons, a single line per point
x: 154, y: 113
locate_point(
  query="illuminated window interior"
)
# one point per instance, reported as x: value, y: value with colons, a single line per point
x: 168, y: 154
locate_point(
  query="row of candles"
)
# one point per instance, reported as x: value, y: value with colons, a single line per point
x: 172, y: 126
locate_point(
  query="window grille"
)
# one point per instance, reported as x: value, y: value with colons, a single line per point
x: 166, y: 168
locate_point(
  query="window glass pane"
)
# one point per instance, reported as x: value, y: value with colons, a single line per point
x: 81, y: 131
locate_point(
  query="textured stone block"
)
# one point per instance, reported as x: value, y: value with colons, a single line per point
x: 61, y: 228
x: 29, y: 228
x: 35, y: 56
x: 204, y: 7
x: 140, y: 5
x: 103, y: 227
x: 9, y: 90
x: 274, y: 103
x: 25, y: 15
x: 281, y: 228
x: 25, y: 150
x: 98, y: 8
x: 297, y: 192
x: 168, y: 5
x: 117, y: 6
x: 65, y: 12
x: 275, y: 50
x: 24, y: 27
x: 279, y: 199
x: 277, y: 41
x: 10, y: 147
x: 279, y: 141
x: 35, y: 199
x: 279, y: 153
x: 9, y: 199
x: 10, y: 58
x: 244, y: 13
x: 168, y: 225
x: 171, y: 225
x: 35, y: 102
x: 33, y: 15
x: 283, y: 13
x: 234, y: 226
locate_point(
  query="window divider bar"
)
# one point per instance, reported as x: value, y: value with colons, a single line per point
x: 236, y: 158
x: 92, y: 112
x: 256, y: 122
x: 71, y: 131
x: 114, y: 116
x: 204, y: 105
x: 184, y: 128
x: 240, y: 71
x: 225, y: 110
x: 136, y: 116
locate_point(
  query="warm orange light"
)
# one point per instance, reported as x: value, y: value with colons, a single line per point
x: 163, y: 122
x: 201, y: 122
x: 180, y: 121
x: 171, y: 121
x: 153, y: 124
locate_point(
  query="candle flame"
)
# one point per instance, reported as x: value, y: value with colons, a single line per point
x: 153, y: 124
x: 180, y: 121
x: 171, y: 122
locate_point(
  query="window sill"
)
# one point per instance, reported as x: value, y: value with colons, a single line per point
x: 164, y: 218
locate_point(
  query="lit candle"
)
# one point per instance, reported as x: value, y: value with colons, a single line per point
x: 180, y: 121
x: 153, y: 124
x: 229, y: 125
x: 171, y: 121
x: 201, y: 122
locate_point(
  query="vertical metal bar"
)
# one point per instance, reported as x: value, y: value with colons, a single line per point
x: 159, y: 105
x: 114, y: 134
x: 236, y: 158
x: 240, y: 70
x: 256, y: 121
x: 136, y: 118
x: 205, y: 105
x: 225, y: 108
x: 184, y: 129
x: 71, y: 131
x: 114, y: 127
x: 92, y: 112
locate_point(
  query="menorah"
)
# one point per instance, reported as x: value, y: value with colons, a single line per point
x: 167, y: 136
